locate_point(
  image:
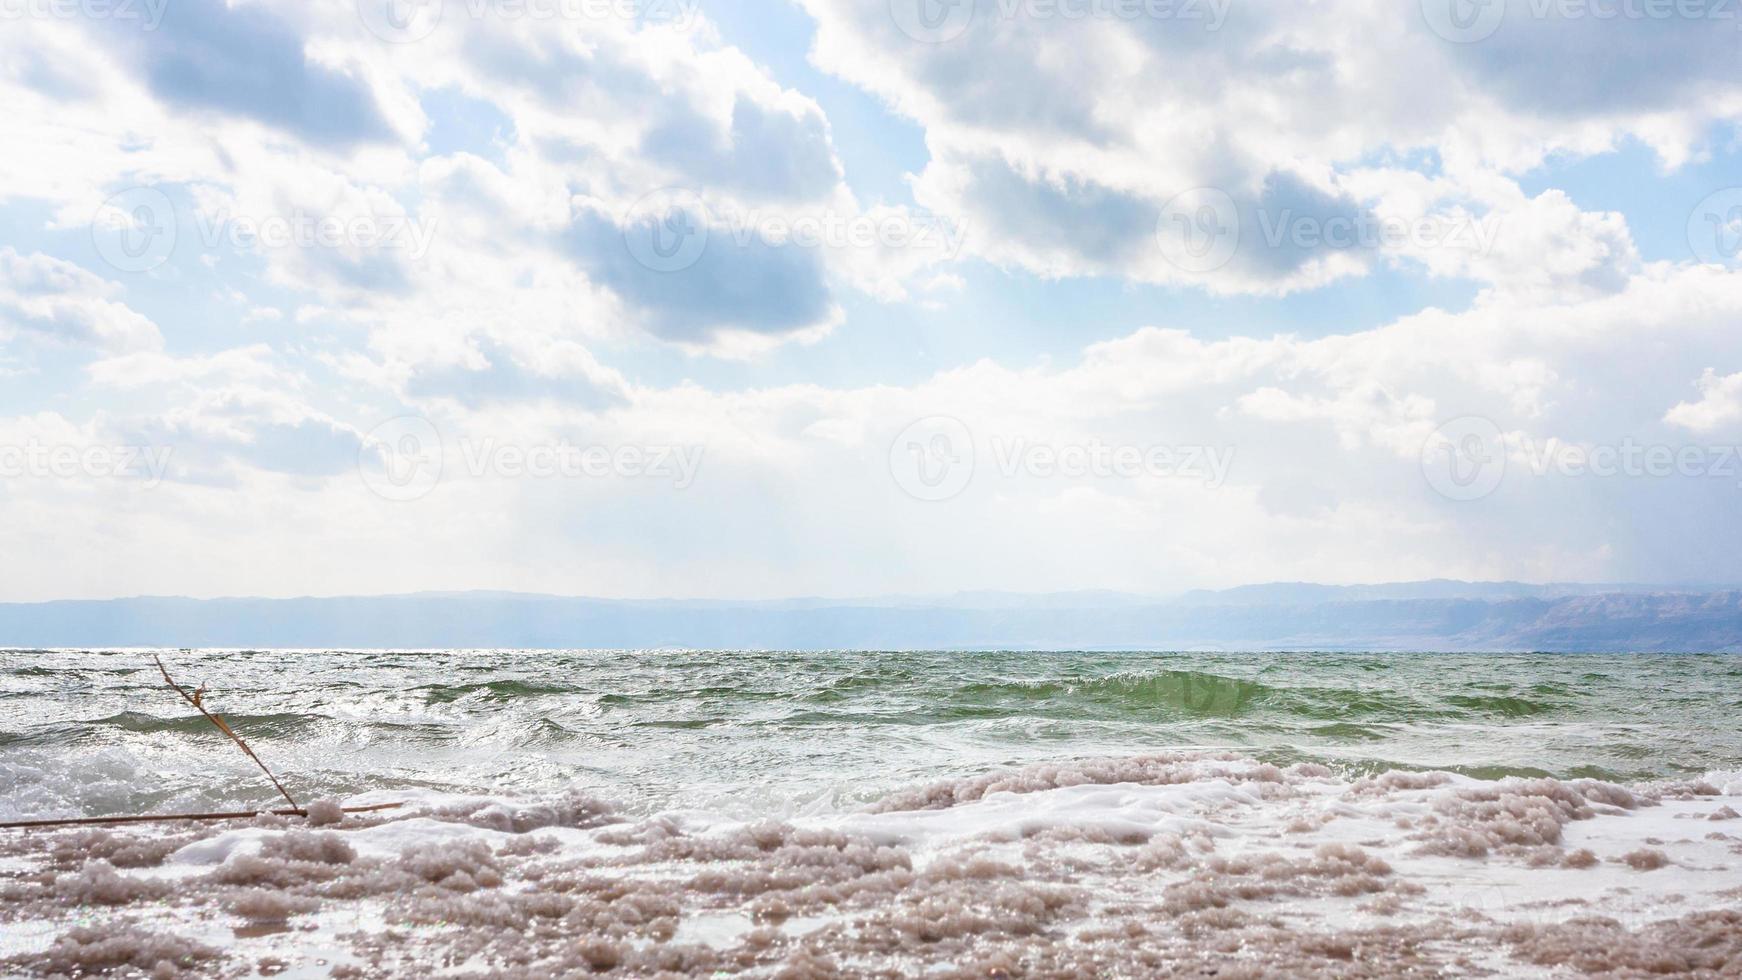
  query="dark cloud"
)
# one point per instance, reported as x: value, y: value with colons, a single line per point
x: 1269, y: 244
x: 737, y: 281
x: 1598, y: 66
x: 243, y: 61
x: 1088, y: 220
x: 1102, y: 226
x: 767, y: 153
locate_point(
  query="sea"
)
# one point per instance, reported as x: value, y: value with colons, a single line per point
x: 886, y: 814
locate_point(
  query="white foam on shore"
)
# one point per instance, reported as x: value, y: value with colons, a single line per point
x: 1162, y: 862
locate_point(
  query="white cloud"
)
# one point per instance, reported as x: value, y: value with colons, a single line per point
x: 795, y: 495
x: 253, y: 364
x: 522, y: 315
x: 1064, y: 138
x: 590, y: 118
x: 53, y: 300
x: 1720, y: 404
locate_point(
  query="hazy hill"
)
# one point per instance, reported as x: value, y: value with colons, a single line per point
x: 1447, y: 616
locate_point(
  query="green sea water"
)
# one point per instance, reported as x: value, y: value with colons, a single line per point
x: 84, y: 732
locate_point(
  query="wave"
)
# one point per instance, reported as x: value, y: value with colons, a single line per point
x: 1502, y: 706
x: 276, y: 725
x: 496, y: 690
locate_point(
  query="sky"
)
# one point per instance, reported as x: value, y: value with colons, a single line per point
x: 765, y: 298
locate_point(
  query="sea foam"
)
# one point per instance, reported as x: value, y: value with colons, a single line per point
x: 1170, y: 863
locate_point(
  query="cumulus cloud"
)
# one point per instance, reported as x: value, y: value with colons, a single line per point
x: 154, y: 369
x: 243, y: 59
x: 764, y: 151
x: 1720, y: 404
x: 1070, y: 135
x: 352, y: 171
x: 551, y: 293
x: 221, y: 432
x: 491, y: 373
x: 1321, y: 443
x: 732, y: 284
x: 53, y: 300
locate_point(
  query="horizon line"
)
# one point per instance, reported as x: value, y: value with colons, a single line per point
x: 1616, y: 587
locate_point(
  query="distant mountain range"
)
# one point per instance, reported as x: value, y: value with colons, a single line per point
x: 1436, y: 616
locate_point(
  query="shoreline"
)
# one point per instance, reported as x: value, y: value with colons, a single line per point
x: 1166, y: 861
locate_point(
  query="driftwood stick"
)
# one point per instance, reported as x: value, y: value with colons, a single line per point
x: 194, y: 698
x: 169, y: 817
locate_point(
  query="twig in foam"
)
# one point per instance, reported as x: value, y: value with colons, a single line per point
x: 176, y: 817
x: 194, y: 698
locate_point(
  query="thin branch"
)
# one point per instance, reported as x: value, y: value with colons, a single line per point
x: 171, y: 817
x: 194, y: 698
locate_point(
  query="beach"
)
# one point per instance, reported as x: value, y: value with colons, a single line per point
x: 878, y: 814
